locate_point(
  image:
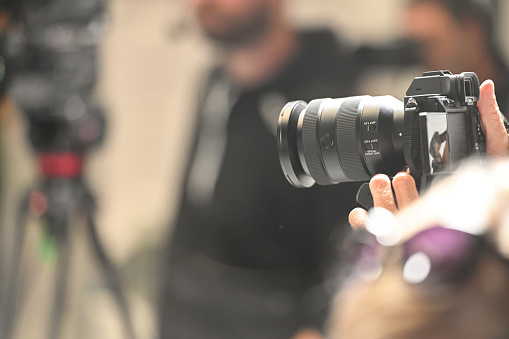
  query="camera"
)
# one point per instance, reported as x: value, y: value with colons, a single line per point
x: 330, y: 141
x: 52, y: 47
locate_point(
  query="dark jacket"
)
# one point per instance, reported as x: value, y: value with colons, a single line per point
x: 252, y: 261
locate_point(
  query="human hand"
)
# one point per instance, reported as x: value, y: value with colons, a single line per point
x: 308, y: 333
x: 497, y: 144
x: 497, y: 140
x: 380, y: 186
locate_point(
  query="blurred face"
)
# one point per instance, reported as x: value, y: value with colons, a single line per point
x: 441, y: 37
x: 234, y: 22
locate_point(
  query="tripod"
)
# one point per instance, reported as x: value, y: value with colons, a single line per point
x: 61, y: 196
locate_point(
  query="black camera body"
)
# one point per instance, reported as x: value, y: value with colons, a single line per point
x: 330, y: 141
x: 441, y: 123
x: 53, y: 53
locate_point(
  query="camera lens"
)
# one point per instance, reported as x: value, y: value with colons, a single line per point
x: 329, y: 141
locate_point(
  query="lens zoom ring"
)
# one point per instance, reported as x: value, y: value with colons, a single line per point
x: 347, y: 134
x: 310, y: 141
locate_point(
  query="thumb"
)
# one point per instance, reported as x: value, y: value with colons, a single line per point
x: 497, y: 140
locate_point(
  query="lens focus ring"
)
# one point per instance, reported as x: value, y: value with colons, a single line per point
x: 310, y: 141
x: 348, y: 135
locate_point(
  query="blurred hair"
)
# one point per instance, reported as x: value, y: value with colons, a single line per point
x: 477, y: 306
x: 390, y: 308
x: 482, y: 11
x: 462, y: 9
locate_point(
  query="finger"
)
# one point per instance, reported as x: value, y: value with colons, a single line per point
x: 380, y: 186
x: 308, y: 334
x: 497, y: 140
x: 405, y: 189
x: 358, y: 218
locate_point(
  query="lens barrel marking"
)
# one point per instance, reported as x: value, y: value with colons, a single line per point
x: 348, y: 133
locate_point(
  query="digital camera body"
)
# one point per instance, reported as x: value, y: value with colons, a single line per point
x: 441, y: 124
x: 330, y: 141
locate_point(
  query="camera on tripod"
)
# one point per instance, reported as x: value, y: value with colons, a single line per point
x: 53, y: 52
x: 330, y: 141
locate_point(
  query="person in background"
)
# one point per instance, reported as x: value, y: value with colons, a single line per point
x: 460, y: 36
x: 249, y: 253
x: 455, y: 35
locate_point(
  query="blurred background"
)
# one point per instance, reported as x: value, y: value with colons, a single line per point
x: 152, y: 59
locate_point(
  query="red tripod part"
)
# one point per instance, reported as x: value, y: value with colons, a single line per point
x: 61, y: 165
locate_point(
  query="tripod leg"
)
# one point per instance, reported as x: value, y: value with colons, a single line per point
x: 111, y: 276
x: 62, y: 273
x: 9, y: 299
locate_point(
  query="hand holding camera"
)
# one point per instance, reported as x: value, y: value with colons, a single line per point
x: 497, y: 144
x: 445, y: 118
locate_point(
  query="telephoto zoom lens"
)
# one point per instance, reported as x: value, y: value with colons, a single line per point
x: 330, y: 141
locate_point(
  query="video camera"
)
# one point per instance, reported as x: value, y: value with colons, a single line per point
x: 51, y: 48
x: 330, y: 141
